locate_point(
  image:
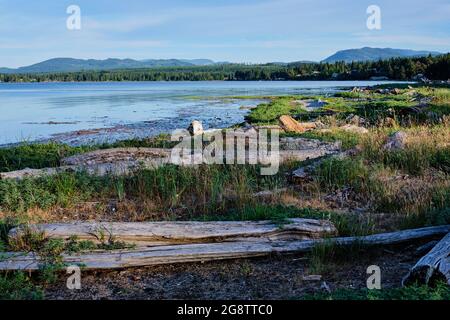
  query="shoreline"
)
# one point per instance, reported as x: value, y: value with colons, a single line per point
x: 147, y: 129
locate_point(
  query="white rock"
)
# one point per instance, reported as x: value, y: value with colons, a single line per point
x: 355, y: 129
x: 196, y: 128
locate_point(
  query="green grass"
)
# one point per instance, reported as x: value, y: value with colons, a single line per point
x: 371, y: 178
x: 36, y: 155
x: 347, y: 138
x: 334, y: 173
x: 63, y: 190
x: 346, y: 224
x: 202, y: 189
x: 440, y: 292
x: 19, y: 286
x: 324, y: 256
x: 270, y: 112
x: 159, y: 141
x: 42, y: 155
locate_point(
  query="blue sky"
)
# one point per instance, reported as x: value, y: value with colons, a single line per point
x: 231, y: 30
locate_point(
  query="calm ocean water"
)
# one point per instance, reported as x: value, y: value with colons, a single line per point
x: 39, y: 111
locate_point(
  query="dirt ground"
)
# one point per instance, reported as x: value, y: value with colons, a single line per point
x: 275, y: 277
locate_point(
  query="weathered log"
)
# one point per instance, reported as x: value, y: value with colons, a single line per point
x: 209, y: 251
x: 166, y: 233
x: 435, y: 265
x: 289, y: 124
x: 97, y: 168
x: 116, y: 155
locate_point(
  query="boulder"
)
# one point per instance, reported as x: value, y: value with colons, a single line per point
x: 355, y: 120
x: 354, y: 129
x: 247, y: 107
x: 196, y: 128
x: 396, y: 141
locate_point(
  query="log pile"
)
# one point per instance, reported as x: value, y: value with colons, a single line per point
x: 237, y: 244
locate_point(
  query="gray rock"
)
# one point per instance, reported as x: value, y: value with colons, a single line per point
x: 396, y: 141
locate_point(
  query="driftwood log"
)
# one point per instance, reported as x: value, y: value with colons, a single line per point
x: 116, y: 155
x: 201, y: 252
x: 166, y: 233
x: 100, y: 169
x: 118, y: 161
x: 435, y: 265
x: 121, y: 161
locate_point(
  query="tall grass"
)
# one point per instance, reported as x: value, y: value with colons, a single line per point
x: 412, y: 181
x: 30, y: 155
x: 40, y: 155
x: 205, y: 189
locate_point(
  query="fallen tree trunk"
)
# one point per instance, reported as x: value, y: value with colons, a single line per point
x: 166, y: 233
x: 99, y: 169
x: 126, y: 167
x: 118, y: 161
x: 435, y: 265
x: 209, y: 251
x: 116, y: 155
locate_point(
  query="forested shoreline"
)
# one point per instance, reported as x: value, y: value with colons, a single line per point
x: 432, y: 67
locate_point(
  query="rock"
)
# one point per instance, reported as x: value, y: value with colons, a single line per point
x: 411, y: 111
x: 355, y: 120
x: 397, y: 141
x: 312, y: 277
x: 291, y: 125
x: 268, y: 127
x: 246, y: 126
x: 354, y: 129
x: 382, y: 91
x: 396, y: 91
x: 196, y: 128
x: 247, y: 107
x: 291, y: 143
x: 269, y: 193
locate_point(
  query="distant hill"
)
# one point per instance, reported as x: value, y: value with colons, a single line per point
x: 74, y: 65
x: 371, y: 54
x: 201, y: 62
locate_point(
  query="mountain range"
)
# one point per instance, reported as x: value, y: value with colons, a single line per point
x: 371, y: 54
x: 73, y: 65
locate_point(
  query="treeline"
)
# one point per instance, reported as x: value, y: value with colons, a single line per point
x: 435, y: 68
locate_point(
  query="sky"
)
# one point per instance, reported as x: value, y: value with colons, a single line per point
x: 252, y: 31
